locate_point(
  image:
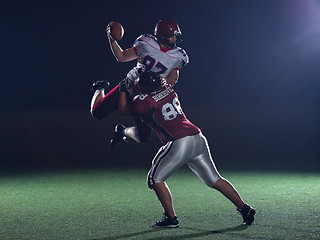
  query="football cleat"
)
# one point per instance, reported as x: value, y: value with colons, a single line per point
x: 247, y: 213
x: 167, y: 222
x: 118, y: 136
x: 104, y: 84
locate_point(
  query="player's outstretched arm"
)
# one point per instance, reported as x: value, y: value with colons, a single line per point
x: 120, y: 54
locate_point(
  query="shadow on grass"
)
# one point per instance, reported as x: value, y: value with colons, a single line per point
x: 201, y: 233
x: 124, y: 236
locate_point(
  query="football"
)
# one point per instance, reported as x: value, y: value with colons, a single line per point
x: 116, y: 30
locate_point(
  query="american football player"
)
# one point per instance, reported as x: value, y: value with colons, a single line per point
x: 159, y: 108
x: 158, y: 52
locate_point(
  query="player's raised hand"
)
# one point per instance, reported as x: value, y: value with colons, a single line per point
x: 115, y: 31
x: 108, y: 32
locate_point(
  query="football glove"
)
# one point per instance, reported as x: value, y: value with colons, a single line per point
x: 125, y: 85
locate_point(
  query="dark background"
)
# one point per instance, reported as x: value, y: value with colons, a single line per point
x: 252, y: 84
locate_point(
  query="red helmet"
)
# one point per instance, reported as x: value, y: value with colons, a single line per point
x: 167, y: 28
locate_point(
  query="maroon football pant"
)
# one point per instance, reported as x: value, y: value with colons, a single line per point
x: 107, y: 105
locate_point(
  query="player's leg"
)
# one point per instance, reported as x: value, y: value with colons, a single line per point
x: 164, y: 195
x: 170, y: 220
x: 170, y: 158
x: 161, y: 189
x: 132, y: 133
x: 229, y: 191
x: 97, y: 96
x: 98, y: 87
x: 143, y: 132
x: 205, y: 168
x: 103, y: 104
x: 202, y: 163
x: 140, y: 133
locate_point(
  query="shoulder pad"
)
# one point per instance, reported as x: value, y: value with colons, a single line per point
x: 183, y: 52
x: 146, y: 38
x: 183, y: 55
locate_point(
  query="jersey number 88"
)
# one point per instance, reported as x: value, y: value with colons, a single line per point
x: 171, y: 111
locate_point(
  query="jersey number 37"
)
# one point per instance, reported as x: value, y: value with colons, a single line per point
x: 150, y: 62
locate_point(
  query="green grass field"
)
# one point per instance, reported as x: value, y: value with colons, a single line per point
x: 116, y: 204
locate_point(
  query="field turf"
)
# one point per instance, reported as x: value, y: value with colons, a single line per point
x: 116, y: 204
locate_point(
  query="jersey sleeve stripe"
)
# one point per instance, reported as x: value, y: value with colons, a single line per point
x: 135, y: 50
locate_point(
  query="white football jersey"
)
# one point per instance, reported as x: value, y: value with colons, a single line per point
x: 152, y: 57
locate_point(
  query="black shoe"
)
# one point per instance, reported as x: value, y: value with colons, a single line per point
x: 118, y: 136
x: 100, y: 85
x: 167, y: 222
x: 247, y: 213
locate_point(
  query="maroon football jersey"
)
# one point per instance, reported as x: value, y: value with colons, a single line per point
x: 162, y: 111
